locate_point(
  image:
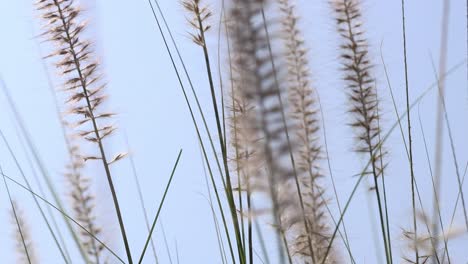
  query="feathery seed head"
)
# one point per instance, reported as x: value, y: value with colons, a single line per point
x: 361, y: 88
x: 198, y: 21
x: 83, y: 201
x: 24, y: 245
x: 78, y: 67
x: 259, y: 83
x: 308, y: 153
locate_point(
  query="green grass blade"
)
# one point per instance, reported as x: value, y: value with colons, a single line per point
x: 65, y: 215
x: 140, y: 198
x: 160, y: 207
x: 195, y: 122
x: 15, y: 216
x: 49, y: 227
x: 40, y: 164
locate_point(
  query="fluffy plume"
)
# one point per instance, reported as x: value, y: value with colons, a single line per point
x: 83, y: 202
x: 82, y: 83
x: 24, y: 243
x: 244, y: 154
x: 78, y: 67
x: 260, y: 86
x: 304, y: 113
x: 361, y: 89
x: 198, y: 21
x: 363, y: 99
x: 425, y: 242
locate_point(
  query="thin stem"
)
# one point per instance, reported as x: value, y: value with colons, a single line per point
x: 15, y: 215
x: 368, y: 136
x: 439, y: 119
x: 26, y: 135
x: 193, y: 119
x: 362, y: 174
x: 64, y: 214
x: 230, y: 195
x: 140, y: 197
x: 49, y: 227
x: 410, y: 143
x: 105, y: 164
x: 291, y: 156
x: 160, y: 207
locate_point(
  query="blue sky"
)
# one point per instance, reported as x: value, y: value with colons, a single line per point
x: 151, y: 112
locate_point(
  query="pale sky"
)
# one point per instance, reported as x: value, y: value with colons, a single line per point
x: 151, y: 111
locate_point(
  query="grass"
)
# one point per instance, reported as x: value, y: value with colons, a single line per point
x: 275, y: 184
x: 410, y: 143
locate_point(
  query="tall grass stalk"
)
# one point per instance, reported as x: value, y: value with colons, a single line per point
x: 452, y: 218
x: 410, y: 143
x: 387, y: 135
x: 64, y: 214
x: 242, y: 145
x: 452, y: 148
x: 213, y: 212
x: 288, y: 141
x: 24, y: 242
x: 304, y: 105
x: 82, y: 82
x: 192, y: 114
x: 22, y: 236
x: 439, y: 119
x: 259, y: 136
x: 201, y: 112
x: 330, y: 171
x: 37, y: 158
x: 257, y: 74
x: 83, y: 201
x: 201, y: 14
x: 141, y: 199
x: 160, y: 206
x: 446, y: 252
x: 223, y: 24
x: 46, y: 220
x: 407, y: 151
x: 362, y: 94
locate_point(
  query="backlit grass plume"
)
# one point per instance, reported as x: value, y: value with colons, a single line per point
x: 80, y: 70
x: 362, y: 96
x: 200, y: 15
x: 83, y: 204
x: 25, y: 251
x: 259, y: 75
x: 309, y: 154
x: 244, y: 156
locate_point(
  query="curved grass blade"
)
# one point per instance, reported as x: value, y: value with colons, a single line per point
x: 49, y: 227
x: 15, y: 216
x: 197, y: 129
x: 140, y: 197
x: 40, y: 163
x: 160, y: 207
x: 65, y: 215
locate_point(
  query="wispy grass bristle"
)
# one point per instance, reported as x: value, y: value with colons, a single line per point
x: 360, y: 83
x: 199, y: 20
x: 309, y: 154
x: 259, y: 84
x: 261, y: 129
x: 363, y: 99
x: 83, y: 204
x: 24, y: 242
x: 79, y: 68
